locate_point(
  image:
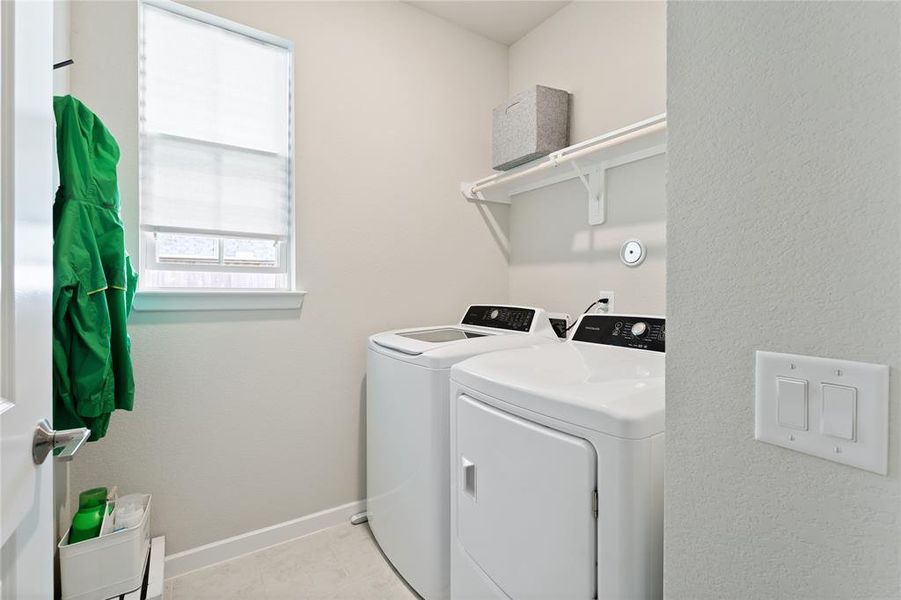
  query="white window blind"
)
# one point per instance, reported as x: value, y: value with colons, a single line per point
x: 215, y: 157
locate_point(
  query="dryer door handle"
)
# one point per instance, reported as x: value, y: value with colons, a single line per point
x: 468, y: 476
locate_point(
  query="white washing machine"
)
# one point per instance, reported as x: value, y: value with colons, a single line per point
x: 557, y: 466
x: 407, y: 445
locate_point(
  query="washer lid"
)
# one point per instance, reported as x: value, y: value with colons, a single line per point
x: 425, y: 339
x: 408, y: 345
x: 483, y: 328
x: 443, y: 334
x: 614, y: 390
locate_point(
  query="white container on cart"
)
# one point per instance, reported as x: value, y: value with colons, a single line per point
x: 108, y: 565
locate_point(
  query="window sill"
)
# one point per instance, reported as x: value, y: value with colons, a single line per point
x: 191, y: 300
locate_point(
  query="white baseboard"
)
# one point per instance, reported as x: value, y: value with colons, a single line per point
x: 233, y: 547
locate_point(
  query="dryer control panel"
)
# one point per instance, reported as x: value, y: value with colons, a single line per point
x: 645, y: 333
x: 500, y: 317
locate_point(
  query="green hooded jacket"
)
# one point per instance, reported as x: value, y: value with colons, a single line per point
x: 93, y: 281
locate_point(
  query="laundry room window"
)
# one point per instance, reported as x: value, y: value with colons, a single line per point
x: 216, y: 154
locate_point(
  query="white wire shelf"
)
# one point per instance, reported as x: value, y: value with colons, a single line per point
x: 588, y: 161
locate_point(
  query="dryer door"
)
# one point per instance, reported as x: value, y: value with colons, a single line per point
x: 525, y: 503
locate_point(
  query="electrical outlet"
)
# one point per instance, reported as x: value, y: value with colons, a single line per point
x: 605, y: 308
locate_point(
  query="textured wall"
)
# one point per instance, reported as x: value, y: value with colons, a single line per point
x: 784, y: 223
x: 612, y: 57
x: 246, y: 420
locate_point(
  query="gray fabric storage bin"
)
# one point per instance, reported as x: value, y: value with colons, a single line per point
x: 530, y: 125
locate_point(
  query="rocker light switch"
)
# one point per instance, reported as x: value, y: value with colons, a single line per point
x: 830, y: 408
x: 839, y: 411
x: 792, y: 398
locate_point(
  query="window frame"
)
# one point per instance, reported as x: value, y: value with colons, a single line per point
x: 220, y: 266
x: 166, y: 299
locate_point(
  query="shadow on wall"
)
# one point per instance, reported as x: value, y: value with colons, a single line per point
x: 497, y: 219
x: 550, y: 225
x: 361, y: 446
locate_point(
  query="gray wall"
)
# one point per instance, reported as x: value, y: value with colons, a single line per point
x: 612, y: 57
x: 243, y: 420
x: 784, y: 222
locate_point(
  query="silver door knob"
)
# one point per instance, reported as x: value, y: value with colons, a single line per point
x: 47, y: 439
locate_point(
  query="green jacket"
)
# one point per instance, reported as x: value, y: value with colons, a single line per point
x: 93, y: 281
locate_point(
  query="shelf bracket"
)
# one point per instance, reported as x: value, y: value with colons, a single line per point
x: 595, y: 184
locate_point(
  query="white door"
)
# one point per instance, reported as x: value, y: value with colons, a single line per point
x: 524, y: 503
x: 26, y: 172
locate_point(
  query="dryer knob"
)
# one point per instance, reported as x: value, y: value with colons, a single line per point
x: 639, y: 329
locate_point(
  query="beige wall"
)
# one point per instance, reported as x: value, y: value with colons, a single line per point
x: 244, y: 420
x: 784, y: 213
x: 61, y: 48
x: 612, y: 57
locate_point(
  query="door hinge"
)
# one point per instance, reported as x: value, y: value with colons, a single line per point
x: 594, y: 503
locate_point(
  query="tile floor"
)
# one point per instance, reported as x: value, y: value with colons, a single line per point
x: 340, y: 563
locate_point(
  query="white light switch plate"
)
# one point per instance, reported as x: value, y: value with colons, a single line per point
x: 867, y: 419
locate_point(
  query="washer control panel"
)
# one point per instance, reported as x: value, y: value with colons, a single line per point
x: 645, y: 333
x: 499, y: 317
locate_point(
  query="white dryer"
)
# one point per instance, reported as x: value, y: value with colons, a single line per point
x: 407, y: 445
x: 557, y: 466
